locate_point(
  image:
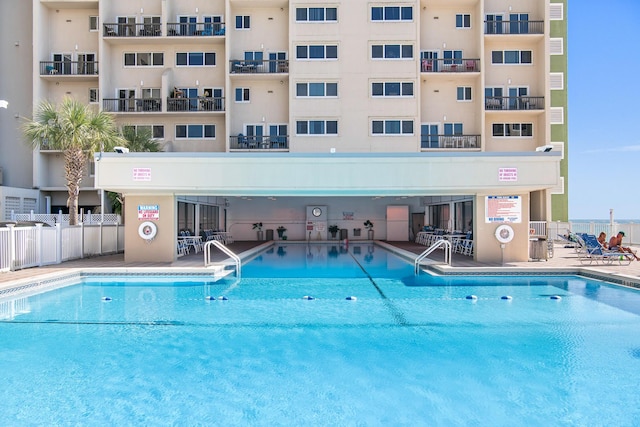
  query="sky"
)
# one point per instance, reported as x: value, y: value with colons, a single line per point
x: 604, y: 96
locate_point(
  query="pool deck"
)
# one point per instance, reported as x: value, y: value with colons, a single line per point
x: 565, y: 260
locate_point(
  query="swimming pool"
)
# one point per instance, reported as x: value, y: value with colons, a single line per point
x: 409, y: 350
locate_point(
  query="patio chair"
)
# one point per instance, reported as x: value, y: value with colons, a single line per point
x: 594, y: 252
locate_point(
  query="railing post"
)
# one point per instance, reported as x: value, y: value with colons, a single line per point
x: 58, y: 243
x: 12, y: 246
x: 81, y: 239
x: 39, y: 244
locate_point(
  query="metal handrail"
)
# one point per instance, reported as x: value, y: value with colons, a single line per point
x: 436, y: 245
x: 223, y: 248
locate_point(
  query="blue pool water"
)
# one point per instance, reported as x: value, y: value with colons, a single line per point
x: 408, y: 351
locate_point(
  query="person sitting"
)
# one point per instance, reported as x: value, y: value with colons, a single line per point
x: 602, y: 239
x: 615, y: 244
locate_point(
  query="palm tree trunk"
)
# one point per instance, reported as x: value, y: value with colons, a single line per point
x: 74, y: 164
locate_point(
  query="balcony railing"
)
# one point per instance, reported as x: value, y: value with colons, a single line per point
x: 69, y: 68
x: 132, y: 30
x: 450, y: 141
x: 514, y: 27
x: 200, y: 103
x: 194, y: 29
x: 239, y: 66
x: 242, y: 142
x: 514, y: 103
x: 450, y: 65
x: 132, y: 105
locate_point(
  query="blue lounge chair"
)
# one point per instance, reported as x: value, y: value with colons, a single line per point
x: 594, y: 252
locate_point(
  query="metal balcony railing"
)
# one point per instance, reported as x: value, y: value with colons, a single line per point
x: 200, y: 103
x: 514, y: 103
x: 450, y: 65
x: 449, y: 141
x: 69, y: 68
x: 514, y: 27
x: 132, y: 30
x: 195, y: 29
x: 239, y: 66
x: 132, y: 105
x: 242, y: 142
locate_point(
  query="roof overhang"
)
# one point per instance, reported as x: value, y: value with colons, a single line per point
x: 338, y: 174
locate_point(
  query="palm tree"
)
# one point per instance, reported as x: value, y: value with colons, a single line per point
x: 76, y: 130
x: 139, y: 140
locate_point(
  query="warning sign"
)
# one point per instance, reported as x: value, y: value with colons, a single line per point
x: 148, y: 212
x: 503, y: 209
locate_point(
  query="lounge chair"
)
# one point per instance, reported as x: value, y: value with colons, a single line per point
x: 594, y: 252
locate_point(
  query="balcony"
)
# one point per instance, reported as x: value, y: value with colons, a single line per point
x: 241, y: 142
x: 132, y: 105
x: 200, y: 103
x: 132, y: 30
x: 450, y: 65
x: 275, y: 66
x: 449, y: 141
x: 195, y: 29
x: 68, y: 68
x: 514, y: 27
x: 516, y: 103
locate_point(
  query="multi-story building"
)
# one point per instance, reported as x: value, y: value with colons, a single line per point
x: 407, y: 113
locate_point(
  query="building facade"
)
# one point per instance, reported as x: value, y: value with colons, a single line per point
x: 265, y: 108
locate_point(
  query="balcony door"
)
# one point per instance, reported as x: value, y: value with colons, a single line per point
x: 277, y: 62
x: 254, y: 134
x: 62, y: 62
x: 429, y: 135
x: 516, y: 94
x: 494, y: 24
x: 519, y: 23
x: 126, y: 99
x: 87, y: 63
x: 126, y: 26
x: 278, y: 135
x: 188, y: 25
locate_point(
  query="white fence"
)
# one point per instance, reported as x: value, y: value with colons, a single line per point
x: 60, y: 218
x: 24, y: 247
x: 631, y: 230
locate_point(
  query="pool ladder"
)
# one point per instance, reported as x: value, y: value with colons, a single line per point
x: 227, y: 251
x: 436, y: 245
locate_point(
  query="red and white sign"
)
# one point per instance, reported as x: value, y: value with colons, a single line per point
x: 507, y: 174
x: 148, y: 212
x: 142, y: 174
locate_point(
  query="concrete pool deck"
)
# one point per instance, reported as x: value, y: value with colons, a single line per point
x: 564, y: 261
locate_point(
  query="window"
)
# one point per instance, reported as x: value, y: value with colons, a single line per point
x: 464, y: 93
x: 317, y: 127
x: 196, y: 59
x: 316, y: 14
x: 392, y: 13
x: 243, y: 22
x: 463, y: 20
x: 317, y: 52
x: 157, y: 131
x: 143, y: 59
x: 511, y: 57
x: 319, y: 89
x: 392, y: 51
x: 242, y: 94
x: 93, y: 95
x: 512, y: 129
x: 392, y: 127
x: 392, y: 89
x: 195, y: 131
x: 93, y: 23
